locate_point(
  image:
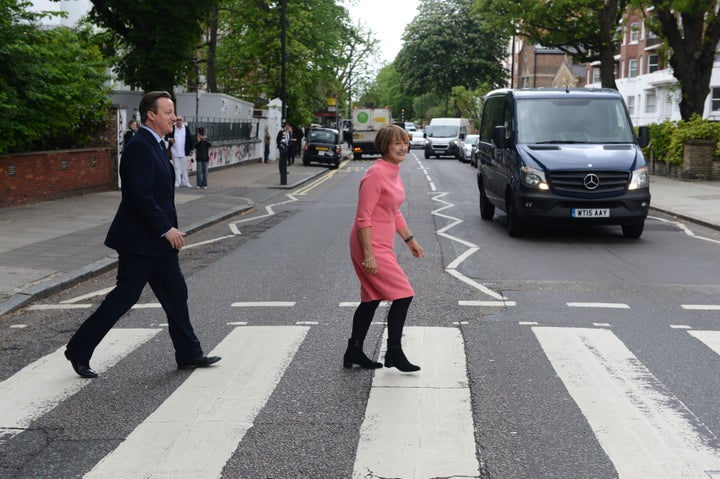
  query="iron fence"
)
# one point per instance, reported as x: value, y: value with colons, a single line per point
x: 221, y: 129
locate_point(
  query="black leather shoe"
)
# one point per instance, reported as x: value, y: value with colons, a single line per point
x: 82, y: 369
x: 201, y: 362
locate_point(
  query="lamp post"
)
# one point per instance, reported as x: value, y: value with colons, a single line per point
x: 283, y: 87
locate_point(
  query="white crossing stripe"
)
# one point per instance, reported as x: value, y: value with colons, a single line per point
x: 420, y: 424
x: 701, y: 307
x: 645, y: 430
x: 710, y: 338
x: 599, y: 305
x: 43, y: 384
x: 196, y: 430
x: 263, y: 304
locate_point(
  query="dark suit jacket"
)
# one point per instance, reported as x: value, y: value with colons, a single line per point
x: 147, y: 208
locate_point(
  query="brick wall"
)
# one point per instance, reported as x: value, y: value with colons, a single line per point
x: 39, y: 176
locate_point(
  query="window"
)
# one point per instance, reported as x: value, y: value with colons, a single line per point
x: 631, y: 105
x: 596, y: 75
x: 653, y: 62
x: 634, y: 32
x: 716, y: 99
x: 650, y: 102
x: 633, y: 68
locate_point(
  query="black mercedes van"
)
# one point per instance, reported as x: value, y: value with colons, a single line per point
x: 562, y: 156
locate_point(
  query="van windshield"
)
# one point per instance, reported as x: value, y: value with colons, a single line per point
x: 572, y: 120
x: 441, y: 131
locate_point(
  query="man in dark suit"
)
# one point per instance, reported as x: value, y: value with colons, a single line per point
x: 146, y: 236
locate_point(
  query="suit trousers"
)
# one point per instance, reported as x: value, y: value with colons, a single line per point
x: 134, y: 272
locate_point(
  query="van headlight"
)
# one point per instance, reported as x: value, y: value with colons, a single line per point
x: 640, y: 179
x: 534, y: 178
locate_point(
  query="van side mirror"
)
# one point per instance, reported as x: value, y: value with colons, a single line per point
x: 499, y: 137
x: 644, y: 136
x: 462, y: 136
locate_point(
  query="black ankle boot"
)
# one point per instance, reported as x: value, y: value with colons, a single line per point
x: 394, y: 357
x: 355, y: 355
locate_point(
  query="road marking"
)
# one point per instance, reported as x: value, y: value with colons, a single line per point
x: 146, y: 306
x: 77, y: 299
x: 685, y: 229
x: 355, y: 304
x: 599, y: 305
x: 194, y: 432
x: 420, y: 424
x: 527, y: 323
x: 701, y: 307
x: 645, y: 430
x: 710, y: 338
x: 50, y: 307
x: 263, y: 304
x: 680, y: 326
x: 43, y: 384
x: 486, y: 303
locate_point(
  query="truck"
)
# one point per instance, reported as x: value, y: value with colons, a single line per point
x: 365, y: 124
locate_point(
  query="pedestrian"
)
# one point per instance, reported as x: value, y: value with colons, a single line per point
x: 298, y: 135
x: 283, y: 141
x: 372, y: 241
x: 145, y: 234
x: 202, y: 155
x: 181, y: 146
x: 132, y: 129
x: 266, y: 153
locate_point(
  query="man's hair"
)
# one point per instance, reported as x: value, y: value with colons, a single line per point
x: 149, y: 103
x: 387, y: 135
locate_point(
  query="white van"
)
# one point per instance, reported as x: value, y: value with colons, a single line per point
x: 445, y: 137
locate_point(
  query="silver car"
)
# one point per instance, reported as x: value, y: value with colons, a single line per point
x: 418, y: 140
x: 470, y: 149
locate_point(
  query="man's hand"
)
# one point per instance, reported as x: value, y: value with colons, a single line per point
x: 176, y: 238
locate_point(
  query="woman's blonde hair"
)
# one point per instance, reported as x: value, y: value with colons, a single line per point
x: 389, y: 134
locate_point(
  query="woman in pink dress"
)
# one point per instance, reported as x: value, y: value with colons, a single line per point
x: 372, y: 250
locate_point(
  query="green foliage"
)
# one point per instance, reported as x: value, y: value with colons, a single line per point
x: 660, y: 135
x: 249, y: 55
x: 154, y: 41
x: 668, y: 138
x: 448, y: 44
x: 51, y: 84
x: 694, y: 129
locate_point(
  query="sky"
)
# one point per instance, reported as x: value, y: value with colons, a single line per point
x: 387, y: 19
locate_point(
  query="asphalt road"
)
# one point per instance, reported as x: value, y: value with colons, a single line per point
x: 569, y: 353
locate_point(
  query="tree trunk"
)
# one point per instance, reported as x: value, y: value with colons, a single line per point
x: 693, y: 53
x: 608, y: 23
x: 211, y: 53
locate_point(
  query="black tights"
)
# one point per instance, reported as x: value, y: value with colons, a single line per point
x: 395, y: 319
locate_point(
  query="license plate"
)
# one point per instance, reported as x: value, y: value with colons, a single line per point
x: 591, y: 212
x: 322, y: 148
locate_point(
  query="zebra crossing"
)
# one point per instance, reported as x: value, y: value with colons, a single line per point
x: 415, y: 425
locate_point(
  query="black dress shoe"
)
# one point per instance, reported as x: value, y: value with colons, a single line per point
x: 82, y: 369
x: 201, y: 362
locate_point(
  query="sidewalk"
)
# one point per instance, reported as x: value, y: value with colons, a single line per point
x: 53, y: 244
x: 50, y: 245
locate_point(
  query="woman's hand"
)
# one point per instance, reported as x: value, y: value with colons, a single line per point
x: 370, y: 264
x: 416, y: 249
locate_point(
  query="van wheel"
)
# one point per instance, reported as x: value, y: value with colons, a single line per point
x: 634, y: 230
x: 357, y: 156
x: 487, y: 209
x: 427, y: 156
x: 514, y: 226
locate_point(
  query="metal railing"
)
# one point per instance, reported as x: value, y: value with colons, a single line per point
x: 221, y: 129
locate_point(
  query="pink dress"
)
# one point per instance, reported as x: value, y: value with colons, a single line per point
x: 381, y: 194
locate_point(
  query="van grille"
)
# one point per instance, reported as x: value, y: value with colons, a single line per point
x: 579, y: 182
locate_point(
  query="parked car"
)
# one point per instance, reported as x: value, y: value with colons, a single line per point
x: 322, y: 145
x: 469, y: 149
x: 418, y: 140
x: 562, y: 156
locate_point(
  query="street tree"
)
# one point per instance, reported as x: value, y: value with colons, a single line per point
x: 249, y: 52
x: 386, y: 91
x: 51, y: 83
x: 447, y: 44
x: 153, y: 42
x: 691, y: 28
x: 584, y: 29
x: 358, y: 53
